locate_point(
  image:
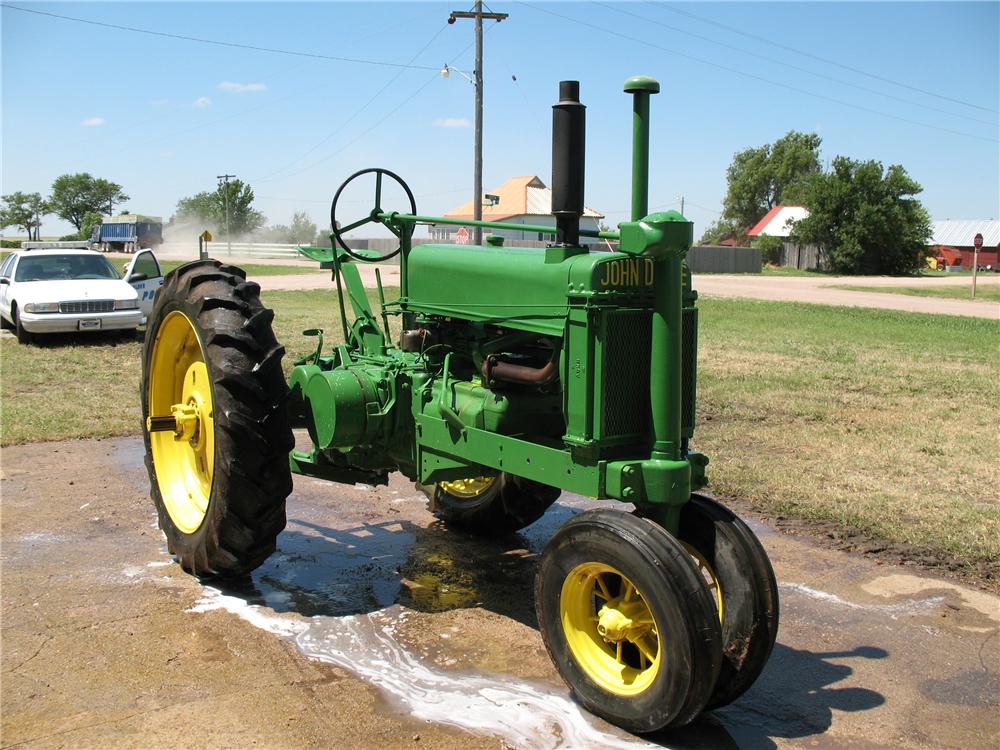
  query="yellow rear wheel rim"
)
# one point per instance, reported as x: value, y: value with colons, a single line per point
x: 468, y: 488
x: 184, y: 459
x: 610, y: 629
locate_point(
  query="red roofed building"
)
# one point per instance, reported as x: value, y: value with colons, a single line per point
x: 778, y: 221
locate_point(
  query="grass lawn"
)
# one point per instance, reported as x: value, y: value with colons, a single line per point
x: 878, y: 420
x: 990, y: 293
x: 254, y: 269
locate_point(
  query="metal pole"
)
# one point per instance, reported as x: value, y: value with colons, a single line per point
x: 682, y: 205
x: 975, y: 268
x: 477, y: 201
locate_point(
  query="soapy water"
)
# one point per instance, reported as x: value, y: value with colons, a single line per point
x: 526, y: 715
x: 340, y: 593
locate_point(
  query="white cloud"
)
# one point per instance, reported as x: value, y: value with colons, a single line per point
x: 202, y: 102
x: 241, y: 88
x: 451, y: 122
x: 91, y: 122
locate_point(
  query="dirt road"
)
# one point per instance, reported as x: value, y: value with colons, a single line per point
x: 372, y: 626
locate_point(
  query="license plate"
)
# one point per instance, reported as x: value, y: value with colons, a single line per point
x: 90, y: 324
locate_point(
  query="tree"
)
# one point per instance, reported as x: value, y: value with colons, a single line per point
x: 773, y: 174
x: 90, y: 222
x: 24, y: 211
x: 210, y: 208
x: 865, y: 218
x: 303, y: 230
x: 719, y: 230
x: 76, y: 195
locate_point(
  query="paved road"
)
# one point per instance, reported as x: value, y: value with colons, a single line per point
x: 372, y: 626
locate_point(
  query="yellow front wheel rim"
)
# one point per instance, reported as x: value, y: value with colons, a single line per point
x: 179, y: 385
x: 707, y: 572
x: 610, y: 629
x: 468, y: 488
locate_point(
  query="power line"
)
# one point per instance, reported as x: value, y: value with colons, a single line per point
x: 350, y: 119
x: 776, y: 61
x: 606, y: 31
x: 817, y: 57
x: 220, y: 43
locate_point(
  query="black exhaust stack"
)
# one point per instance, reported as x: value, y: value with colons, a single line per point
x: 569, y: 125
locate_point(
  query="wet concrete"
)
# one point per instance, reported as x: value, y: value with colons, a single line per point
x: 373, y: 624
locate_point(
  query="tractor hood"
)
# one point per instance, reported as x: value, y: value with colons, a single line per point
x: 529, y: 289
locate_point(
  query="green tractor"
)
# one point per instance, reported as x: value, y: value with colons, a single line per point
x: 518, y: 373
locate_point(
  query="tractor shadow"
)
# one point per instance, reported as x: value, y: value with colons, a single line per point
x: 367, y: 566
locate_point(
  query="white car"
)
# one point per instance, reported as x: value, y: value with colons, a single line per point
x: 60, y: 290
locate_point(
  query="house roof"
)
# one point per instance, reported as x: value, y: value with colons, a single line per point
x: 519, y: 196
x: 776, y: 221
x: 962, y: 232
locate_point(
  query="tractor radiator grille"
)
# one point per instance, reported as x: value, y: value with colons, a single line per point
x: 88, y: 306
x: 626, y: 373
x: 689, y: 361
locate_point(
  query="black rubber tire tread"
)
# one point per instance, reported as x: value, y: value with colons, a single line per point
x: 24, y: 336
x: 252, y: 478
x: 510, y: 503
x: 663, y: 570
x: 749, y: 593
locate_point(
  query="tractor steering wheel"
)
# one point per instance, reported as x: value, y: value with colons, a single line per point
x: 372, y: 217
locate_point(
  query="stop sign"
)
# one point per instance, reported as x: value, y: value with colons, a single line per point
x: 462, y: 236
x: 978, y: 241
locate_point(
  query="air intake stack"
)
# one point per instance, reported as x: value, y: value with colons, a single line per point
x: 569, y: 125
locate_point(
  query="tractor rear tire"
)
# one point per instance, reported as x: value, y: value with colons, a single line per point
x: 492, y: 506
x: 628, y: 620
x: 743, y: 580
x: 220, y: 484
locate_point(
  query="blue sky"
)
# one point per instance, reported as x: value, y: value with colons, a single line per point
x: 164, y: 116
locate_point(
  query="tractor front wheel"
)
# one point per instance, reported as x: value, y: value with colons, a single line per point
x: 739, y: 575
x: 216, y: 433
x: 492, y: 506
x: 628, y: 620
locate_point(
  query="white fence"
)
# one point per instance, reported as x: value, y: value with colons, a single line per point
x: 252, y: 250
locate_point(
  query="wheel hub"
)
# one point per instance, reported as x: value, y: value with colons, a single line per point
x: 615, y: 621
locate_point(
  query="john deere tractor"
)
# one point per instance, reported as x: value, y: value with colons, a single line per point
x: 519, y: 373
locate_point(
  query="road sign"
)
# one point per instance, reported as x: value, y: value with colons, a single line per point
x: 462, y: 236
x: 206, y: 236
x: 978, y: 241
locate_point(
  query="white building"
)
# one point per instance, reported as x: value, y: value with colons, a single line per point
x: 778, y: 221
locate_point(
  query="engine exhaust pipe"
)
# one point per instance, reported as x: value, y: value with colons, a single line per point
x: 569, y: 125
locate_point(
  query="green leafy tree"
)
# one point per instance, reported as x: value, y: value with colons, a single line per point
x: 719, y: 230
x: 773, y: 174
x: 866, y: 218
x: 210, y: 208
x: 76, y: 195
x: 24, y: 211
x: 90, y: 221
x: 302, y: 230
x: 770, y: 248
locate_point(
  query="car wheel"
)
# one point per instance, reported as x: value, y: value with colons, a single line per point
x: 23, y: 335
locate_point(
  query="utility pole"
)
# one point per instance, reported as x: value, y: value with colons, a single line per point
x: 682, y: 205
x: 477, y: 172
x: 224, y: 180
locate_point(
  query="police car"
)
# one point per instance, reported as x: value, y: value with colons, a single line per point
x: 62, y: 289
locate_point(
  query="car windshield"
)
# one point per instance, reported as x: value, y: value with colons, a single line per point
x: 64, y: 267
